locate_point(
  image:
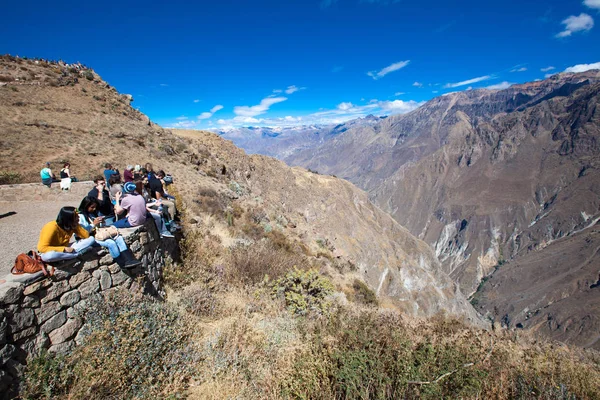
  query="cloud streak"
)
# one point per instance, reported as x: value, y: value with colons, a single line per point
x: 500, y: 86
x: 573, y: 24
x: 469, y: 81
x: 209, y: 114
x: 549, y: 68
x: 263, y: 107
x: 390, y: 68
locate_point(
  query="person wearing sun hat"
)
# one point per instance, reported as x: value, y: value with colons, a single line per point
x: 133, y: 204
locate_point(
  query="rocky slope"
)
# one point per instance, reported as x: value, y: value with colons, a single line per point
x: 51, y: 112
x: 488, y: 177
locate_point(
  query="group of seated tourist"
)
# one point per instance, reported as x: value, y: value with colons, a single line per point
x: 113, y: 201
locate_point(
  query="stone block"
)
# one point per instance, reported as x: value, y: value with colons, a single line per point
x: 96, y: 273
x: 56, y: 290
x: 106, y: 260
x: 78, y: 279
x: 21, y: 319
x: 89, y: 287
x: 105, y: 280
x: 119, y: 278
x: 65, y: 273
x: 144, y: 238
x: 30, y: 302
x: 47, y: 311
x: 80, y: 337
x: 114, y: 268
x: 6, y: 353
x: 70, y: 298
x: 90, y: 265
x: 34, y: 346
x: 135, y: 246
x: 65, y: 332
x: 37, y: 286
x: 10, y: 292
x: 55, y: 322
x: 62, y: 348
x: 32, y: 330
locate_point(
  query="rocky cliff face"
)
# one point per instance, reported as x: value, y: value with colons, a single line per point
x: 86, y: 122
x: 489, y: 177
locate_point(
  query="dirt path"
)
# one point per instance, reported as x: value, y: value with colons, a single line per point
x: 20, y: 225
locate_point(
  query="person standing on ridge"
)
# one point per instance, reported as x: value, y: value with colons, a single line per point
x: 108, y: 172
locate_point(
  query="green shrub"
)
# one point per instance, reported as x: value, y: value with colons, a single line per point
x: 88, y: 75
x: 303, y: 291
x: 363, y: 294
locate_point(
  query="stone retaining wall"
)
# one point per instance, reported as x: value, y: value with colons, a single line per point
x: 39, y: 313
x: 38, y: 192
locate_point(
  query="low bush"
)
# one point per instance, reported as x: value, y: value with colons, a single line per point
x: 363, y: 294
x: 250, y: 264
x: 10, y: 178
x: 132, y: 348
x: 303, y: 291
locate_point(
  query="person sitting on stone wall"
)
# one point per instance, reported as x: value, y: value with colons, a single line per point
x: 55, y: 236
x: 47, y: 175
x: 133, y: 204
x: 128, y: 174
x: 100, y: 193
x: 116, y: 185
x: 90, y: 219
x: 153, y: 209
x: 155, y: 186
x: 66, y: 178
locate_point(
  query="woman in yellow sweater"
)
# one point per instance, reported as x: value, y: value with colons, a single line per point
x: 55, y: 237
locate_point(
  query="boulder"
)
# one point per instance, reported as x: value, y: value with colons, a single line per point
x: 70, y: 298
x: 65, y: 332
x: 10, y: 292
x: 55, y: 322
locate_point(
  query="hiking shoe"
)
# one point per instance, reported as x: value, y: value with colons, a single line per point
x: 166, y: 234
x: 129, y: 264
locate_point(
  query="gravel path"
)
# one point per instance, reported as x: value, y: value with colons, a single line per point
x: 19, y: 232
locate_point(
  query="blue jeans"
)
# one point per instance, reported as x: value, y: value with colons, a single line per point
x: 122, y: 223
x: 115, y: 246
x: 78, y: 247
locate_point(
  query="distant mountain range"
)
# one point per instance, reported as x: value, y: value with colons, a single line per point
x: 503, y: 184
x: 283, y: 142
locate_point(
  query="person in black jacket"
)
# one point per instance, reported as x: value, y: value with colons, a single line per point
x: 100, y: 193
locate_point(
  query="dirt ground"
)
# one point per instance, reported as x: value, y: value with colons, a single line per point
x: 20, y: 225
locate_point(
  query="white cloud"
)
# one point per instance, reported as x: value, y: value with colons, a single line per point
x: 573, y: 24
x: 263, y: 107
x: 548, y: 76
x: 390, y: 68
x: 499, y: 86
x: 293, y: 89
x: 592, y: 4
x: 208, y: 114
x: 550, y: 68
x: 583, y: 67
x: 417, y: 84
x: 183, y: 125
x: 277, y: 91
x: 434, y: 91
x: 196, y: 101
x: 469, y: 81
x: 182, y: 118
x: 399, y: 106
x: 399, y: 93
x: 164, y: 84
x: 522, y: 69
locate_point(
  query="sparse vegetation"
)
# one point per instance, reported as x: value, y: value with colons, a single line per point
x: 9, y: 178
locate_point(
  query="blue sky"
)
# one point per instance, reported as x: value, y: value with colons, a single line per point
x: 288, y: 62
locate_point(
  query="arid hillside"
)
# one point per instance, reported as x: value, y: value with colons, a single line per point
x: 490, y: 177
x: 55, y: 113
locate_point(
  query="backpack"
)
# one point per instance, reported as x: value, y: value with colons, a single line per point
x: 29, y: 263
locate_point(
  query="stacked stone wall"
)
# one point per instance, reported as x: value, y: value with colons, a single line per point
x: 45, y: 313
